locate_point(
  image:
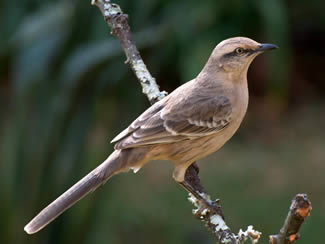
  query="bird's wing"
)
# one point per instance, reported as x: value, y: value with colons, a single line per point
x: 142, y: 119
x: 169, y: 122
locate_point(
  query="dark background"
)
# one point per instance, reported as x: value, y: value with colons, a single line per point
x: 65, y: 92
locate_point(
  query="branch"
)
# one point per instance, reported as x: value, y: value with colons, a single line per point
x: 299, y: 210
x: 118, y: 22
x: 211, y: 214
x: 219, y: 228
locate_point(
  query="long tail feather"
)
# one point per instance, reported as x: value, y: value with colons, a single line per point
x: 87, y: 184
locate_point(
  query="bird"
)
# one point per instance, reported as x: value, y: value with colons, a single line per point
x: 193, y: 121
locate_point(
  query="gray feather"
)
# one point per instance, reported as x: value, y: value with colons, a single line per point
x: 87, y: 184
x: 182, y: 118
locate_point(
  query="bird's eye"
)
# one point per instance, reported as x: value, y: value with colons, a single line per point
x: 239, y: 50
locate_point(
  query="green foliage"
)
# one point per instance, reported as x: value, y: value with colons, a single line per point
x: 65, y: 92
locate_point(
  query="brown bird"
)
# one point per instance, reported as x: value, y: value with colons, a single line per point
x: 193, y: 121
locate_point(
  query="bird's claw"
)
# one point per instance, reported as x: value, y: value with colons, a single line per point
x: 215, y: 208
x: 209, y: 208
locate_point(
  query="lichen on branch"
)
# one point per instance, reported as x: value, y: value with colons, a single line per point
x: 118, y: 22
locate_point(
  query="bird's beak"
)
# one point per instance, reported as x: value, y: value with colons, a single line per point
x: 266, y: 47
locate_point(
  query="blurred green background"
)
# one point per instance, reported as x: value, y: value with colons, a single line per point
x: 65, y: 92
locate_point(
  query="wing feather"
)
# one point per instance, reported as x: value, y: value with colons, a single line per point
x: 145, y: 119
x: 182, y: 120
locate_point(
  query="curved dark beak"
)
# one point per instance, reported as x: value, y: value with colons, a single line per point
x: 266, y: 47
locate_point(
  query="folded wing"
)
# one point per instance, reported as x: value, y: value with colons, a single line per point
x: 170, y: 121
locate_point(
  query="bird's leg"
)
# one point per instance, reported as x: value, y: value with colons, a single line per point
x: 193, y: 185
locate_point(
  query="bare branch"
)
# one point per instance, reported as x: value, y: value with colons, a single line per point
x: 118, y: 21
x: 299, y: 210
x: 211, y: 214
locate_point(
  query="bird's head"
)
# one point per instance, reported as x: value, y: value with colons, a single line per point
x: 236, y: 54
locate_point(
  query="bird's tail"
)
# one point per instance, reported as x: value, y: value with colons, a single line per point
x: 87, y: 184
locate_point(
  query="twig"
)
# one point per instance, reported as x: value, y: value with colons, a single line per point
x: 299, y: 210
x: 118, y: 21
x: 219, y: 228
x: 212, y: 214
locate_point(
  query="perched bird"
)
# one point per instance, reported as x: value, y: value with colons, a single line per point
x: 193, y: 121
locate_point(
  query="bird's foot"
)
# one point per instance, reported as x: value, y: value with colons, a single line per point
x: 214, y: 208
x: 206, y: 207
x: 201, y: 199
